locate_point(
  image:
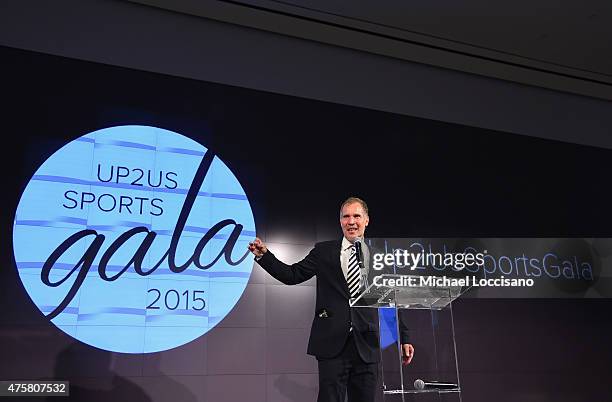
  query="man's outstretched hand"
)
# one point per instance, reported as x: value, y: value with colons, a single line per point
x: 407, y: 353
x: 257, y: 247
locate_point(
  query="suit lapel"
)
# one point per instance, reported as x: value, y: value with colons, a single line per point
x: 334, y: 255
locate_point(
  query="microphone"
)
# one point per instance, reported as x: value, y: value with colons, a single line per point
x: 358, y: 254
x: 422, y: 384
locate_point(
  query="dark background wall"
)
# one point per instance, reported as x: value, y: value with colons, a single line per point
x: 217, y: 47
x: 296, y: 160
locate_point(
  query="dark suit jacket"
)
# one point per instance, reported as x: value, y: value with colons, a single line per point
x: 333, y: 316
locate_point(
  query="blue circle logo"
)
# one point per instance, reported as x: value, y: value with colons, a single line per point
x: 133, y: 239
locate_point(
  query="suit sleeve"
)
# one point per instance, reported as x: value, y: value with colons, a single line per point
x: 294, y: 273
x: 404, y: 332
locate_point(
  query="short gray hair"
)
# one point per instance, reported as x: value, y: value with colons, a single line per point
x: 352, y: 200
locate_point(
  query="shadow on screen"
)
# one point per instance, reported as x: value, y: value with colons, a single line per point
x: 292, y: 390
x: 92, y: 379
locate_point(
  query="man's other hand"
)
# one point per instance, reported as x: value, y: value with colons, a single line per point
x: 407, y: 353
x: 257, y: 247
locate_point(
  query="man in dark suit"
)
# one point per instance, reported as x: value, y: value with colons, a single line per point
x: 343, y: 339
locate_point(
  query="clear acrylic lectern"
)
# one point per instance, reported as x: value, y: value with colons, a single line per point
x: 425, y: 313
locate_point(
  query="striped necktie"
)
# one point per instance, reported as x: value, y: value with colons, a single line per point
x: 353, y: 273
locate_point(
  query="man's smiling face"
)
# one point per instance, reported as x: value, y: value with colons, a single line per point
x: 353, y: 220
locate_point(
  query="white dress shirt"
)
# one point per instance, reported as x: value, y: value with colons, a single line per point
x: 345, y: 252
